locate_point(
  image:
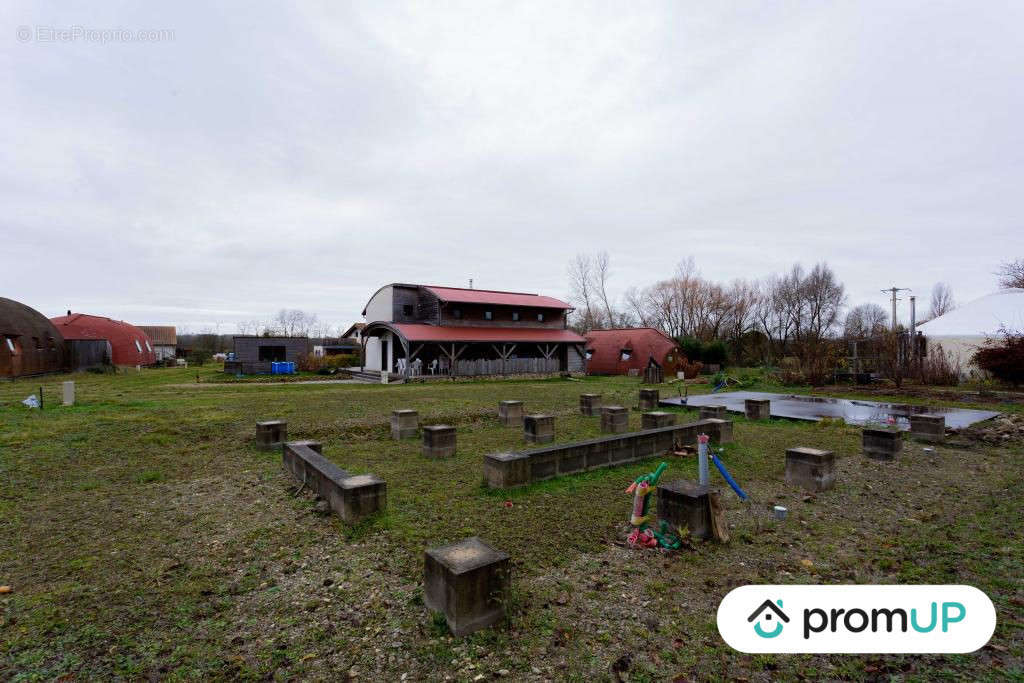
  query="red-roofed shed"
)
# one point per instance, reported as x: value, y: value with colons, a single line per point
x: 616, y: 352
x: 128, y: 344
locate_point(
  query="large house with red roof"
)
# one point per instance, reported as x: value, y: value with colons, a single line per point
x: 433, y: 330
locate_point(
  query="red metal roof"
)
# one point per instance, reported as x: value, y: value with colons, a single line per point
x: 121, y: 335
x: 416, y: 332
x: 642, y: 342
x: 487, y: 296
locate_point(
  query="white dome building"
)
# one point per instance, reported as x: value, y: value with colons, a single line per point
x: 961, y: 331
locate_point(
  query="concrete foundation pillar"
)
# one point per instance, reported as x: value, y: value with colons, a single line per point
x: 655, y: 419
x: 684, y: 504
x: 438, y: 441
x: 590, y: 404
x: 539, y: 428
x: 614, y: 419
x: 404, y: 424
x: 468, y: 582
x: 716, y: 412
x: 270, y: 434
x: 758, y: 409
x: 69, y: 393
x: 879, y: 443
x: 928, y: 427
x: 810, y: 468
x: 510, y: 413
x: 649, y: 399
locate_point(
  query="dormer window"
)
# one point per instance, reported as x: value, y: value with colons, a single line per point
x: 515, y: 315
x: 589, y: 354
x: 138, y: 345
x: 540, y: 317
x: 148, y: 347
x: 626, y: 354
x: 488, y: 315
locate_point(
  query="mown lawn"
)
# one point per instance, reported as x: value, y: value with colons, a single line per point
x: 144, y: 536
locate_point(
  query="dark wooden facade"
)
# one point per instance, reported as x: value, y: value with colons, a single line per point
x: 29, y: 343
x: 253, y: 355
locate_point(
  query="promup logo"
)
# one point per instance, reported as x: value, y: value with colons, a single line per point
x: 765, y: 611
x: 865, y: 619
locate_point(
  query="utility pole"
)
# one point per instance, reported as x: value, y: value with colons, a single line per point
x: 893, y: 290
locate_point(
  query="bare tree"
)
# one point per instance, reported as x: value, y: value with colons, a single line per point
x: 601, y: 273
x: 865, y: 321
x: 1011, y: 274
x: 292, y: 322
x: 581, y: 290
x: 942, y: 300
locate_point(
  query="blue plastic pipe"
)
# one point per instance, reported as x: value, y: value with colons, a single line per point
x: 728, y: 478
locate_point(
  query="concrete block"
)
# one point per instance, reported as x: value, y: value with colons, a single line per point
x: 468, y: 582
x: 590, y: 404
x: 539, y: 428
x: 506, y: 470
x: 404, y: 424
x: 68, y: 389
x: 758, y: 409
x: 352, y: 498
x: 713, y: 412
x: 649, y: 399
x: 719, y: 430
x: 439, y: 441
x: 879, y: 443
x: 928, y: 427
x: 657, y: 418
x: 684, y: 504
x: 654, y: 374
x: 510, y: 413
x: 810, y: 468
x: 270, y: 434
x: 614, y: 419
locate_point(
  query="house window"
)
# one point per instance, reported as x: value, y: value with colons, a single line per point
x: 11, y: 346
x: 407, y: 310
x: 589, y: 354
x: 626, y: 354
x: 515, y: 315
x: 669, y: 358
x: 457, y: 313
x: 148, y: 347
x: 51, y: 343
x: 138, y: 345
x: 540, y: 317
x: 488, y: 315
x: 36, y: 344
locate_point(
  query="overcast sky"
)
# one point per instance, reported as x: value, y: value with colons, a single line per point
x: 262, y: 158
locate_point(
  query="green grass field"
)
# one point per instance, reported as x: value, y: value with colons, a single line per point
x: 144, y: 535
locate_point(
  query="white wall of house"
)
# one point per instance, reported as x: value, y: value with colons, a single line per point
x: 381, y: 306
x: 163, y: 351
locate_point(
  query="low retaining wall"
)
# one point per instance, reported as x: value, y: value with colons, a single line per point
x: 351, y: 497
x: 506, y: 470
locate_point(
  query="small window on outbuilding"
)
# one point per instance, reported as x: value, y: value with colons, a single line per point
x: 36, y: 343
x: 488, y: 315
x: 407, y: 310
x: 12, y: 346
x: 540, y: 317
x: 272, y: 353
x: 138, y: 345
x: 457, y: 313
x: 626, y: 354
x: 148, y: 347
x: 51, y: 343
x: 589, y: 354
x: 515, y: 315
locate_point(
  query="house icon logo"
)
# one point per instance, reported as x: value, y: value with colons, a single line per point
x: 771, y: 611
